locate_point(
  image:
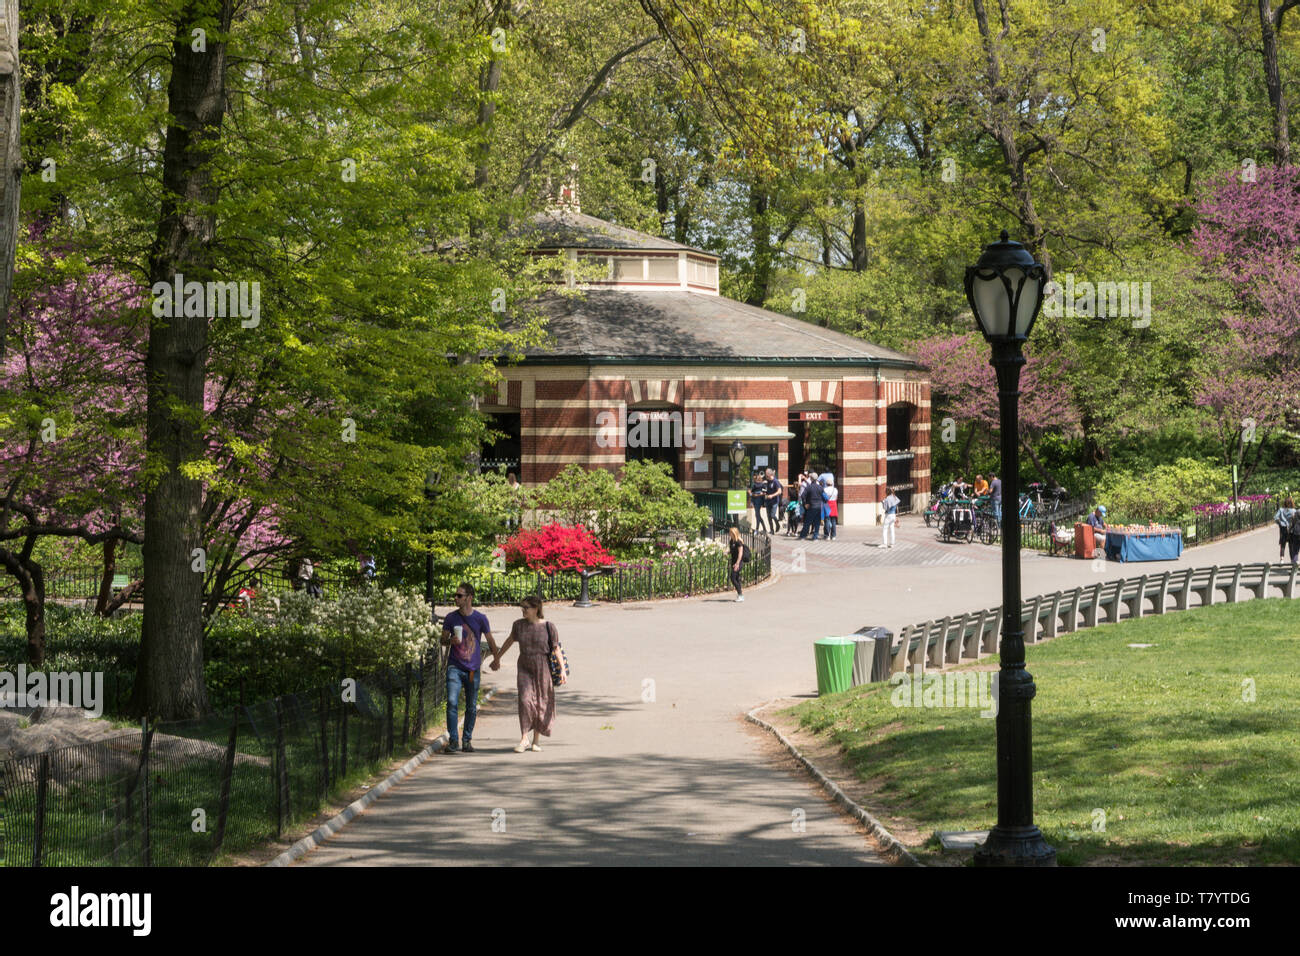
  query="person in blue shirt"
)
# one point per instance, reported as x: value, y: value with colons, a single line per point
x: 1097, y: 521
x: 465, y: 663
x: 1283, y: 520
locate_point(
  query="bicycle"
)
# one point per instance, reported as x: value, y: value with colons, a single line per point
x: 986, y: 526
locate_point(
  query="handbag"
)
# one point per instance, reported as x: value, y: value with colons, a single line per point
x: 558, y: 660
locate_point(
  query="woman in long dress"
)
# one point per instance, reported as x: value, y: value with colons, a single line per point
x: 536, y: 638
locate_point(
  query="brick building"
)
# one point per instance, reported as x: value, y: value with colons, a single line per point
x: 651, y: 362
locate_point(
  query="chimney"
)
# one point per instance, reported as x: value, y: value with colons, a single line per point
x: 568, y: 196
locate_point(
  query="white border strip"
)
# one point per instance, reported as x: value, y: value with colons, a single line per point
x: 891, y: 849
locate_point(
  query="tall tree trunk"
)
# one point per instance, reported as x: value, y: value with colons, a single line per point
x: 11, y: 160
x: 106, y: 579
x: 1048, y: 479
x: 169, y: 683
x: 1270, y: 23
x: 760, y: 231
x: 859, y: 236
x: 1002, y: 126
x: 31, y: 583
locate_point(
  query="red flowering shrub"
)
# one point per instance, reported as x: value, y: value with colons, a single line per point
x: 556, y: 547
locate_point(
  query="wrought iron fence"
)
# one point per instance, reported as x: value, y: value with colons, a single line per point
x: 179, y: 794
x: 630, y: 581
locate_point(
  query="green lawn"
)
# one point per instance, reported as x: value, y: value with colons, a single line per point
x: 1162, y: 739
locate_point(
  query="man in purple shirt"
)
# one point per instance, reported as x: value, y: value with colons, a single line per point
x: 465, y: 663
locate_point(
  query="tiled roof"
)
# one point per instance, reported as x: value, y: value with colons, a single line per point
x: 563, y: 228
x: 616, y: 325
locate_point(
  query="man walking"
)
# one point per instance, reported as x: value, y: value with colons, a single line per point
x: 995, y: 489
x: 811, y: 499
x: 463, y: 629
x: 890, y: 505
x: 775, y: 492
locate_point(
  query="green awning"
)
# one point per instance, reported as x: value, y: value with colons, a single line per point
x: 746, y: 430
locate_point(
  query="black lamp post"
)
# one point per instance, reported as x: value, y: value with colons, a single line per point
x: 737, y: 455
x: 1005, y: 290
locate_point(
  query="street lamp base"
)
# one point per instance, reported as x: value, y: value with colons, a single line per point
x: 1015, y: 846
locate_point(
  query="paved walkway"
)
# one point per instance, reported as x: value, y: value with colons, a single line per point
x: 676, y: 776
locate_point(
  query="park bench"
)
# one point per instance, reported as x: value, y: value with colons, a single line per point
x: 937, y: 642
x: 1108, y: 601
x: 1283, y: 577
x: 1252, y: 577
x: 1203, y: 584
x: 976, y: 634
x: 1049, y: 612
x: 1134, y: 595
x: 990, y: 631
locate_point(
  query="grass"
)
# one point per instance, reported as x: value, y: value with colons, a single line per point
x: 1166, y: 741
x: 81, y: 817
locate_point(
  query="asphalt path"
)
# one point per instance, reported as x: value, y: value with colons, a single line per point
x: 651, y: 762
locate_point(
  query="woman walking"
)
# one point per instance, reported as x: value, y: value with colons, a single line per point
x: 537, y: 640
x: 737, y: 551
x: 1283, y: 519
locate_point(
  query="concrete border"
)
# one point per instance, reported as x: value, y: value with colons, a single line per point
x: 359, y: 806
x: 891, y: 849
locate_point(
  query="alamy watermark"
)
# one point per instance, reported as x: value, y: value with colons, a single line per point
x: 1108, y: 300
x: 194, y: 299
x: 58, y: 688
x: 644, y: 429
x: 975, y: 689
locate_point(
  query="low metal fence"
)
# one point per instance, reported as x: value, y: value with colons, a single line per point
x: 180, y: 794
x: 631, y: 581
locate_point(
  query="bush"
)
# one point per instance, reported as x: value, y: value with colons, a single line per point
x: 642, y: 501
x: 555, y: 547
x: 1165, y: 493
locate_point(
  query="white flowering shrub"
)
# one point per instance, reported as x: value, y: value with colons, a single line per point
x: 375, y: 627
x: 699, y: 548
x: 388, y: 626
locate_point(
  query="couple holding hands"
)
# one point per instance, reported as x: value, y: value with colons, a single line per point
x: 464, y: 629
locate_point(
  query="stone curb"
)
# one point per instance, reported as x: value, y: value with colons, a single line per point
x: 359, y: 806
x: 891, y: 849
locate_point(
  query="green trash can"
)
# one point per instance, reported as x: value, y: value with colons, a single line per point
x: 834, y: 664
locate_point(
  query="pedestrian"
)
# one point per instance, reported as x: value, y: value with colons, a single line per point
x: 811, y: 499
x: 1097, y: 521
x: 308, y: 579
x: 758, y: 498
x: 981, y: 486
x: 537, y: 640
x: 368, y: 568
x: 775, y: 492
x: 793, y: 511
x: 995, y: 489
x: 832, y: 518
x: 513, y: 506
x: 739, y: 555
x: 890, y: 505
x: 465, y: 629
x: 1287, y: 519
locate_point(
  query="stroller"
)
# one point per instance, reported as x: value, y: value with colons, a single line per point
x: 959, y: 524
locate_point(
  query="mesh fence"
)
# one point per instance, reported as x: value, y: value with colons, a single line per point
x: 178, y: 794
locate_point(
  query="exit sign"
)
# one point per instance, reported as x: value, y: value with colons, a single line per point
x: 814, y: 416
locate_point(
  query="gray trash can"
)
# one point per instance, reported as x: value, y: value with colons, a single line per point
x: 871, y: 658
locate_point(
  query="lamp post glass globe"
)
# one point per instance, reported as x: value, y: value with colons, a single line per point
x: 1005, y: 290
